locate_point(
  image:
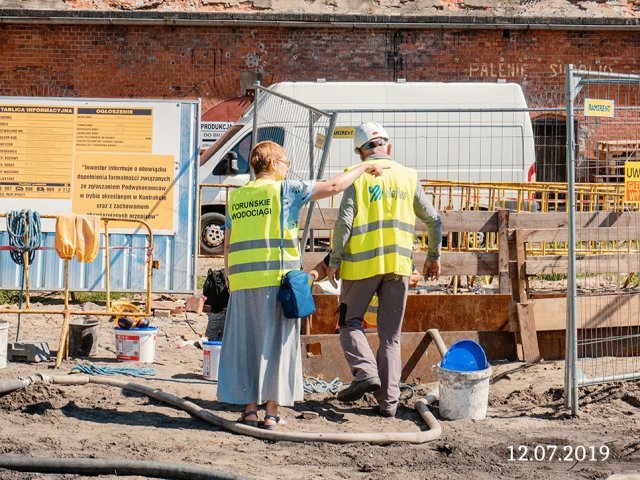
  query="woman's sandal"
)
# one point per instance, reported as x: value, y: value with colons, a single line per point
x: 280, y: 422
x: 251, y: 423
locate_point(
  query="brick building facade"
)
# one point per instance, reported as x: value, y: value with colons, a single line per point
x: 155, y: 61
x: 132, y: 49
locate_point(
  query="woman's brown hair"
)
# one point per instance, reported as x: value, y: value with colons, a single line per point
x: 263, y: 153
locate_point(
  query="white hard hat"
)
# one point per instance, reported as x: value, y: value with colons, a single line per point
x: 368, y: 131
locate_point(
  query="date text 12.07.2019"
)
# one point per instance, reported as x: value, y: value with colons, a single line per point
x: 558, y: 453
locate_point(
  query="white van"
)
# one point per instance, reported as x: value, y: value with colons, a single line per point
x: 467, y: 132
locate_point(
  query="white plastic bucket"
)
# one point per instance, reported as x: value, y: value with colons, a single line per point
x: 463, y: 395
x: 136, y: 344
x: 211, y: 360
x: 4, y: 339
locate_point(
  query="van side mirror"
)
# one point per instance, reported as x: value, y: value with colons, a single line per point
x: 231, y: 159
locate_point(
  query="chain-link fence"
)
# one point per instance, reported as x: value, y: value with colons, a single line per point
x: 603, y: 328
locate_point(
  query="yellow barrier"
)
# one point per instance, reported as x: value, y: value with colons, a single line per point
x: 518, y: 197
x: 527, y: 197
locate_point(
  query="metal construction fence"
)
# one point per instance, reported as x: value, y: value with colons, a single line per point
x: 603, y: 324
x: 304, y: 131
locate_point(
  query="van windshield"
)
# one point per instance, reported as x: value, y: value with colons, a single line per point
x: 218, y: 144
x: 242, y: 148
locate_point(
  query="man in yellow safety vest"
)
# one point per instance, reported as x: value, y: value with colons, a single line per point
x: 372, y: 246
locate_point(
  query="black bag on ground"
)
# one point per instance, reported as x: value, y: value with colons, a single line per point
x: 216, y: 291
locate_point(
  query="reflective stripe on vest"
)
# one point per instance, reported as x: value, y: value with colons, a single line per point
x: 381, y: 238
x: 254, y: 249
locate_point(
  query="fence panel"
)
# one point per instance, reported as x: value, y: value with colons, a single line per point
x: 304, y: 131
x: 603, y: 115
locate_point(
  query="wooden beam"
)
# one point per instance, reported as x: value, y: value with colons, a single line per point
x: 597, y: 263
x: 594, y: 311
x: 452, y: 263
x: 322, y: 355
x: 583, y: 220
x: 503, y: 251
x: 527, y: 333
x: 601, y: 234
x: 452, y: 221
x: 444, y: 312
x: 521, y: 265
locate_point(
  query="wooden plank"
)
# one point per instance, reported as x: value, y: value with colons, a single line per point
x: 462, y: 263
x: 452, y: 263
x: 530, y: 221
x: 602, y: 263
x: 603, y: 234
x: 452, y: 221
x: 444, y: 312
x: 521, y: 260
x: 594, y: 311
x: 469, y: 221
x: 323, y: 356
x: 503, y: 251
x: 527, y: 333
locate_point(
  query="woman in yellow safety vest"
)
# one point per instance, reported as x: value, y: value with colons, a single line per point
x: 260, y: 361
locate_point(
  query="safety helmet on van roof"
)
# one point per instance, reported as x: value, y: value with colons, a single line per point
x: 368, y: 131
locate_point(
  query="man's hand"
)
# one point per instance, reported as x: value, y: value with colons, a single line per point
x: 375, y: 169
x: 332, y: 275
x: 431, y: 270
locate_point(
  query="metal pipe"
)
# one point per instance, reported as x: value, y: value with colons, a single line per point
x: 571, y: 354
x: 254, y: 132
x: 107, y: 261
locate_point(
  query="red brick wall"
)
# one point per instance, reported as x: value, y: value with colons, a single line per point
x: 191, y: 62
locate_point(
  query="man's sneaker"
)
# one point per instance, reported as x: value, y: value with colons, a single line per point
x: 388, y: 412
x: 358, y: 388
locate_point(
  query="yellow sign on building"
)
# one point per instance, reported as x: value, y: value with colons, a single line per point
x: 598, y: 108
x: 632, y: 182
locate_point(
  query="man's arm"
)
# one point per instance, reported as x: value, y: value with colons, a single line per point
x: 343, y: 225
x: 425, y: 211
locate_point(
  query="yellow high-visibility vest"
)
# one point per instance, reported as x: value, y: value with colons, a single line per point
x: 254, y: 248
x: 382, y: 234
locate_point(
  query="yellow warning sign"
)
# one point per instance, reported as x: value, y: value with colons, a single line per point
x: 114, y: 129
x: 344, y: 132
x: 320, y: 140
x: 632, y: 182
x: 131, y: 186
x: 598, y: 108
x: 36, y: 151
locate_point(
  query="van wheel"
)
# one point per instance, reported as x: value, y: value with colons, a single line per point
x: 212, y: 234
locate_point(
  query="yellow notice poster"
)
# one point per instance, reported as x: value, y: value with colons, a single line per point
x: 36, y: 151
x: 131, y: 186
x: 632, y: 182
x: 114, y: 129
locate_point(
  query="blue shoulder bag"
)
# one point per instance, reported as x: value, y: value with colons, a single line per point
x: 295, y: 291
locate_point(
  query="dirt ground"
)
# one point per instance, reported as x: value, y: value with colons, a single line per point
x: 525, y: 409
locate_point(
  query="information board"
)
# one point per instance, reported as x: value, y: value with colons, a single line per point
x: 98, y: 157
